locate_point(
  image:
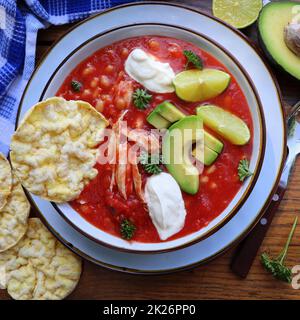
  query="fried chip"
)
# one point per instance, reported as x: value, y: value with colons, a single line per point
x: 14, y: 217
x: 5, y: 180
x: 39, y: 267
x: 2, y: 277
x: 54, y: 148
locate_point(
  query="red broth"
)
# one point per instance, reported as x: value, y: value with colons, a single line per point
x: 219, y: 183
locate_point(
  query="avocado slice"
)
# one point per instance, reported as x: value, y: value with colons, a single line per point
x: 157, y: 121
x: 212, y: 148
x: 212, y: 143
x: 164, y: 115
x: 175, y: 142
x: 169, y: 111
x: 209, y: 157
x: 271, y: 23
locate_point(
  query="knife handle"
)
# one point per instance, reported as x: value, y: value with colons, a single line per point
x: 248, y: 248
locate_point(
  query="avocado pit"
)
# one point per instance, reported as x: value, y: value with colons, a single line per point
x: 292, y: 36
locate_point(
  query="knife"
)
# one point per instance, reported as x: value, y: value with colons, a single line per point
x: 248, y: 248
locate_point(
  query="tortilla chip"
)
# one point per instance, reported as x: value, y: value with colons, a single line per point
x: 54, y: 149
x: 39, y: 267
x: 5, y: 180
x: 14, y: 217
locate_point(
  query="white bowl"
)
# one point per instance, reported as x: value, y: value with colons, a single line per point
x: 111, y: 36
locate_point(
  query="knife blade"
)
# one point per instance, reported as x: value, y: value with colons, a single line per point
x: 248, y: 248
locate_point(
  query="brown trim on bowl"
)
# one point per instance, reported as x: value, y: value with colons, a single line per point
x: 258, y: 166
x: 251, y: 225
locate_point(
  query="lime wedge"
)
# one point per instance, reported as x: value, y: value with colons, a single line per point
x: 188, y: 85
x: 199, y: 85
x: 238, y: 13
x: 226, y: 124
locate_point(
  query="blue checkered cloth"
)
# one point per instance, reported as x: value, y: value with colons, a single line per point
x: 19, y: 24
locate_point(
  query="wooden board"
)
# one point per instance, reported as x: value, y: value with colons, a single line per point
x: 215, y: 280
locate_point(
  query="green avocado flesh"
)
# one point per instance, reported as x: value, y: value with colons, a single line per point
x: 212, y: 148
x: 164, y: 115
x: 169, y: 111
x: 179, y: 164
x: 157, y: 121
x: 209, y: 157
x: 272, y: 21
x: 213, y: 143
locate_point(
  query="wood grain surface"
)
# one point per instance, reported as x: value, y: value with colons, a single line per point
x: 214, y: 280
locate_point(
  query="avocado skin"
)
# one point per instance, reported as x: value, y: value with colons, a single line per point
x: 267, y: 52
x: 276, y: 65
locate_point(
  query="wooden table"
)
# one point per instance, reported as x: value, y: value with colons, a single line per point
x: 215, y: 280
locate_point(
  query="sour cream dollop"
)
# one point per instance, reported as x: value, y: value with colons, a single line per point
x: 149, y: 72
x: 165, y: 203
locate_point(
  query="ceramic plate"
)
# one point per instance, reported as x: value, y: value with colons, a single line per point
x: 115, y: 35
x: 267, y: 91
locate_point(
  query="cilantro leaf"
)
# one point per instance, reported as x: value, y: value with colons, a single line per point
x: 127, y: 229
x: 151, y: 163
x: 141, y: 98
x: 278, y: 270
x: 76, y: 85
x: 276, y: 266
x: 243, y: 170
x: 194, y: 59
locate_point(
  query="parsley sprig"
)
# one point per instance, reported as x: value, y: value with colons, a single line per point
x: 127, y: 229
x: 141, y: 98
x: 76, y: 85
x: 276, y: 266
x: 193, y: 59
x: 243, y: 170
x: 151, y: 163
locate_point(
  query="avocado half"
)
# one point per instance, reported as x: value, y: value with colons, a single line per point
x: 271, y: 23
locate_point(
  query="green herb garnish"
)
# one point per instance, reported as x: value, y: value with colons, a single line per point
x: 127, y: 229
x: 194, y: 59
x: 151, y: 163
x: 76, y: 85
x: 276, y: 266
x: 243, y: 169
x: 141, y: 98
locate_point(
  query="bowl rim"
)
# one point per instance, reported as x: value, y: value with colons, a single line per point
x: 242, y: 235
x: 259, y: 161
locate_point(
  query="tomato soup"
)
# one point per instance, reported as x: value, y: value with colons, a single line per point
x: 106, y: 86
